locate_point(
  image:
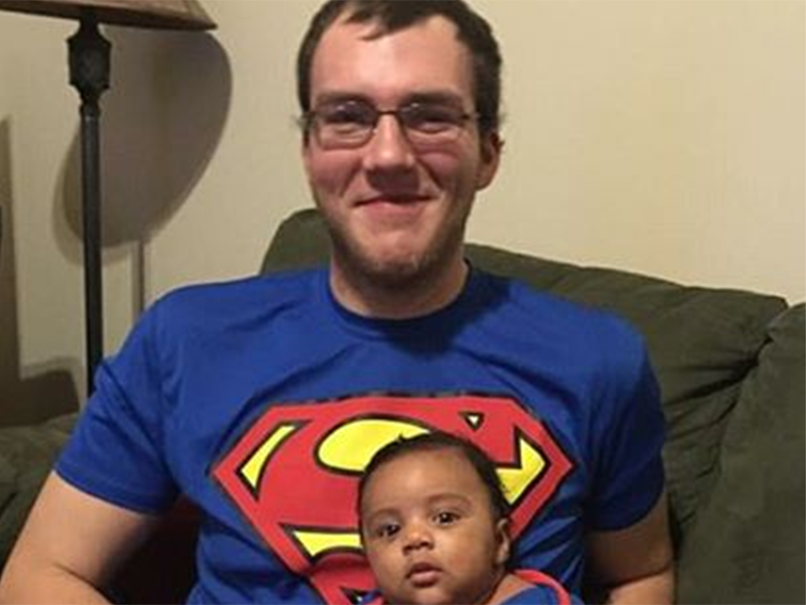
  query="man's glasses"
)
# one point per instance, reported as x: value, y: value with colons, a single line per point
x: 350, y: 124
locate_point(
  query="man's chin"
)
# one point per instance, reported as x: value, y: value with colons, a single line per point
x: 397, y: 274
x: 389, y: 265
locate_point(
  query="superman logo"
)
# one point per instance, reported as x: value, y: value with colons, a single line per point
x: 294, y: 472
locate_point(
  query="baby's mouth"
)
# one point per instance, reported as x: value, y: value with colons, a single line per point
x: 422, y: 575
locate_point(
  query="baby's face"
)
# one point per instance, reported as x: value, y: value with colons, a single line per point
x: 429, y: 531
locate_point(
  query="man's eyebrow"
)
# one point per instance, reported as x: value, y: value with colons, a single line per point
x: 337, y: 96
x: 441, y: 97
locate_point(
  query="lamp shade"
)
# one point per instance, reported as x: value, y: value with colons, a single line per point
x: 157, y: 14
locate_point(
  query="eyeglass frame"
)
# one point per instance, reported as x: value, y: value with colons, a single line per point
x: 308, y: 122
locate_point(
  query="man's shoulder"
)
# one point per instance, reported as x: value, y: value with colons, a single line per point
x: 548, y: 310
x: 535, y: 324
x: 257, y: 290
x: 235, y: 301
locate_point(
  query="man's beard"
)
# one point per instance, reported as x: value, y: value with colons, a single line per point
x: 415, y: 270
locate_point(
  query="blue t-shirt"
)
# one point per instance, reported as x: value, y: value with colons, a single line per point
x: 262, y: 400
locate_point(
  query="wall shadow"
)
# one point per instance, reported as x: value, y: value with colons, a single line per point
x: 161, y: 122
x: 40, y: 391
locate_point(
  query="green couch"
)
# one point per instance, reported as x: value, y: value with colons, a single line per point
x: 731, y: 367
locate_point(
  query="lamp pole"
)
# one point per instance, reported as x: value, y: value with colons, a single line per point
x: 89, y: 62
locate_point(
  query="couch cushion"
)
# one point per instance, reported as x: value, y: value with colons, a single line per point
x: 703, y: 341
x: 749, y: 531
x: 300, y: 241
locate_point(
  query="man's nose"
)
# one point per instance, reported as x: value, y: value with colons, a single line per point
x: 389, y: 148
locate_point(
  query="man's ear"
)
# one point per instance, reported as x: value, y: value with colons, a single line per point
x: 491, y: 147
x: 503, y: 541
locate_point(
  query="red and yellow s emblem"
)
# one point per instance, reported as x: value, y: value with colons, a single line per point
x: 294, y: 473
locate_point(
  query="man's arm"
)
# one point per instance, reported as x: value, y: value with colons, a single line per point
x: 636, y: 565
x: 70, y: 547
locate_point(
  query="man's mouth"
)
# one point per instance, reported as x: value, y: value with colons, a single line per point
x: 392, y: 199
x: 393, y: 210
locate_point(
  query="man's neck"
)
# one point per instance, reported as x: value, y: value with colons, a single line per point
x: 418, y: 297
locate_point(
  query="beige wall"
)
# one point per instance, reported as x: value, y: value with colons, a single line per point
x: 665, y: 137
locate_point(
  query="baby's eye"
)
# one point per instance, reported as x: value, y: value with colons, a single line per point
x: 446, y: 517
x: 387, y: 530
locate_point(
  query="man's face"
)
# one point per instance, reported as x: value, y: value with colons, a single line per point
x: 429, y: 532
x: 396, y: 211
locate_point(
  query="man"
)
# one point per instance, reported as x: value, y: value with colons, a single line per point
x: 261, y: 400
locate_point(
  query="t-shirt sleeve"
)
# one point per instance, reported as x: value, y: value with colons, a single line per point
x: 116, y: 452
x: 629, y: 475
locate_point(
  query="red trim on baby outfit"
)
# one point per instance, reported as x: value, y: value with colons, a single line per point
x: 538, y: 577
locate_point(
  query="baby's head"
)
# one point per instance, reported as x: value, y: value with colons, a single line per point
x: 434, y: 520
x: 437, y: 441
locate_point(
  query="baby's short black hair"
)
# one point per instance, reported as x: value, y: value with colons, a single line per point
x: 439, y: 440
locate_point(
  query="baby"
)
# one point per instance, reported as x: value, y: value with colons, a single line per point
x: 434, y: 524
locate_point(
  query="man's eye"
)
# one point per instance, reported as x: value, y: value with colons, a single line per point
x: 432, y: 117
x: 446, y: 518
x: 347, y: 114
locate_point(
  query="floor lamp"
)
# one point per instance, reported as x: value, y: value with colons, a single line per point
x: 89, y: 65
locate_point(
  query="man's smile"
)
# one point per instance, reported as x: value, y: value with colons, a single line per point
x: 384, y: 208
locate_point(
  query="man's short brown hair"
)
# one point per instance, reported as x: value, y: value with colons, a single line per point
x: 394, y: 15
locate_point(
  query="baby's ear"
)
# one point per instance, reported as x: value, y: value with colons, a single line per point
x: 504, y: 541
